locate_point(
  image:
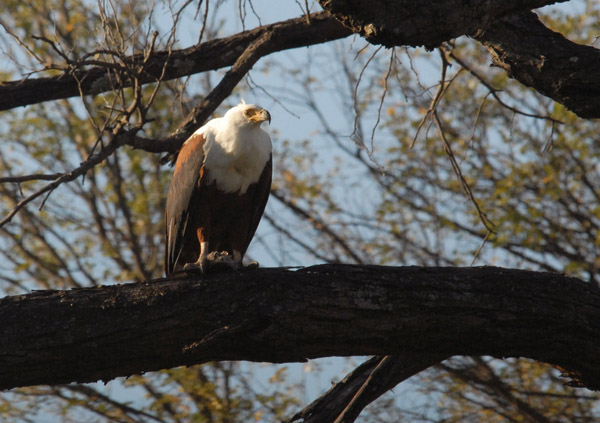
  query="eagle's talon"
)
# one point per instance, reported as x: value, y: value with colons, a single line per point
x: 253, y: 265
x: 198, y: 266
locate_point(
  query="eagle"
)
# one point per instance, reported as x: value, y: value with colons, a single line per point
x: 218, y: 192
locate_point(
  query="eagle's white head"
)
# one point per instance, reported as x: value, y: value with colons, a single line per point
x: 247, y: 115
x: 236, y: 148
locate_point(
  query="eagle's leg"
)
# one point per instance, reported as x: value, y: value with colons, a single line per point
x: 237, y: 258
x: 202, y: 262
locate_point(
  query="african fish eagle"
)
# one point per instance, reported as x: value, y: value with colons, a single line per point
x: 219, y: 191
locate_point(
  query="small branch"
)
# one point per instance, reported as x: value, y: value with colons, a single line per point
x: 495, y: 92
x: 32, y: 177
x: 319, y: 225
x: 92, y: 161
x: 487, y: 223
x: 442, y: 88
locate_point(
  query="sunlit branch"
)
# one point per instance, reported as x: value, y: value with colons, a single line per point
x: 310, y: 249
x: 169, y: 64
x: 489, y: 225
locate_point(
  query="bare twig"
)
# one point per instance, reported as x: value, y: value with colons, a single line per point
x: 495, y: 92
x: 383, y: 94
x: 443, y: 86
x: 356, y: 137
x: 21, y: 43
x: 92, y: 161
x: 319, y: 225
x: 482, y: 216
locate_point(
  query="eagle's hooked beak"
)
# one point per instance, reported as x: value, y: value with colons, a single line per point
x: 268, y: 115
x: 258, y: 116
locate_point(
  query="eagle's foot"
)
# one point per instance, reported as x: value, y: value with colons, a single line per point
x: 217, y: 262
x: 253, y: 265
x: 199, y: 266
x: 221, y: 261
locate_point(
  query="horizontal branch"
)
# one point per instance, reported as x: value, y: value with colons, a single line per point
x: 278, y: 315
x: 31, y: 177
x: 164, y: 65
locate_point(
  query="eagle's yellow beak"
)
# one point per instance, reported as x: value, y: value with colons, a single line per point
x: 264, y: 115
x: 261, y: 115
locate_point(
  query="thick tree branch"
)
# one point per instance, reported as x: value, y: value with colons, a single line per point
x: 546, y: 61
x: 52, y: 337
x: 346, y: 399
x: 518, y: 42
x: 423, y: 23
x: 166, y: 65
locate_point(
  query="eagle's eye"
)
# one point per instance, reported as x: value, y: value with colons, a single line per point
x: 247, y: 112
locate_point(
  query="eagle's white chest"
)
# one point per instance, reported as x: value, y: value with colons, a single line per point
x: 235, y: 158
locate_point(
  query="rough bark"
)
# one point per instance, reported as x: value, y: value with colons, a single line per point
x: 278, y: 315
x: 422, y: 23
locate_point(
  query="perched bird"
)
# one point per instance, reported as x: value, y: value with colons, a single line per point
x: 219, y: 191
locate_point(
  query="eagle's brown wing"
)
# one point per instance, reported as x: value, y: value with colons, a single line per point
x: 184, y: 183
x: 261, y: 195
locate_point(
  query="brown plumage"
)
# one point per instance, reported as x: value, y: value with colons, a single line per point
x: 219, y: 190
